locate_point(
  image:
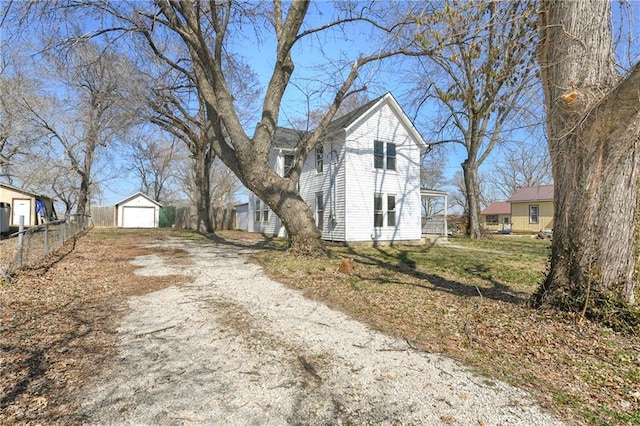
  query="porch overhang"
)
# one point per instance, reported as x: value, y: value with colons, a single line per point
x: 435, y: 225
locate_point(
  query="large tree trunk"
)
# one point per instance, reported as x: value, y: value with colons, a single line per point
x: 593, y: 123
x: 203, y: 191
x: 282, y: 197
x: 470, y: 172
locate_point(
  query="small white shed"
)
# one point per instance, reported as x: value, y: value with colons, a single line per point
x: 138, y: 211
x: 242, y: 217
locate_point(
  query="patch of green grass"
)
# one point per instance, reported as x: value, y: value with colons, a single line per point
x: 564, y: 398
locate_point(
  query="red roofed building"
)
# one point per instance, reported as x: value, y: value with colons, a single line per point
x: 496, y: 216
x: 532, y: 209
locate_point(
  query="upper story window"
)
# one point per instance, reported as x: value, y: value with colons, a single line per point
x: 319, y: 159
x: 384, y: 155
x: 288, y: 165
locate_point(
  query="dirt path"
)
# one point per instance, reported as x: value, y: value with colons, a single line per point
x: 233, y: 347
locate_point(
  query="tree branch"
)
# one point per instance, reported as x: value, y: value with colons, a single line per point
x: 618, y: 107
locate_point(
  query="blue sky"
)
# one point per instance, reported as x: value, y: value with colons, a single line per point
x: 331, y: 48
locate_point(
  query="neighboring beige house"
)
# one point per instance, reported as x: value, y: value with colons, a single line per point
x: 496, y: 216
x: 532, y: 209
x: 35, y: 208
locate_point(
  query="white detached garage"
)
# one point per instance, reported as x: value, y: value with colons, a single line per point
x: 138, y: 211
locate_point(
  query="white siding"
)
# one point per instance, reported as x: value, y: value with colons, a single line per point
x: 349, y: 181
x: 363, y: 180
x: 331, y: 184
x: 273, y: 226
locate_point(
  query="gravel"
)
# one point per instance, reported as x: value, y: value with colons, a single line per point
x: 236, y: 348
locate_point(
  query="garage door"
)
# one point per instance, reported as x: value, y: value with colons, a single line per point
x: 21, y: 207
x: 138, y: 217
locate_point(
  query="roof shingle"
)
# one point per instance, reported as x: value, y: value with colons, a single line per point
x: 532, y: 193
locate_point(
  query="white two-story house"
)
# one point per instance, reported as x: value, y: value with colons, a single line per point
x: 362, y: 184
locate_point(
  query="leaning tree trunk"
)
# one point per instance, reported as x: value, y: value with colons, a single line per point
x: 470, y: 173
x: 282, y: 197
x: 593, y: 124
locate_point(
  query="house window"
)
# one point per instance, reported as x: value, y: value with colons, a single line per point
x: 319, y: 159
x: 380, y: 155
x: 378, y: 213
x: 288, y: 165
x: 533, y: 213
x: 265, y: 212
x: 391, y: 156
x: 391, y: 210
x: 319, y: 211
x: 258, y: 210
x: 492, y: 218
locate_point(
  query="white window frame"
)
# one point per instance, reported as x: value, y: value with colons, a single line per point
x: 383, y: 159
x: 319, y: 211
x: 391, y: 212
x: 319, y: 159
x: 534, y: 217
x: 286, y: 171
x: 258, y: 213
x: 378, y: 214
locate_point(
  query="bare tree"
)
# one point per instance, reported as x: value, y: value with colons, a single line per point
x: 19, y: 138
x: 594, y: 139
x: 223, y: 187
x: 479, y: 80
x: 194, y: 39
x: 86, y: 113
x: 152, y: 163
x: 522, y: 165
x: 460, y: 198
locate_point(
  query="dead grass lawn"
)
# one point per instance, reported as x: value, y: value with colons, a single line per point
x: 58, y: 322
x: 471, y: 304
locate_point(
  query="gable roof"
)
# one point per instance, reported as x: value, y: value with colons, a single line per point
x: 286, y: 138
x: 29, y: 193
x: 138, y: 194
x: 499, y: 207
x: 532, y: 193
x: 345, y: 120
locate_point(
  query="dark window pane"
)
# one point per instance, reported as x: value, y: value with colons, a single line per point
x: 391, y: 210
x: 377, y: 203
x: 377, y: 220
x: 319, y: 159
x: 391, y: 219
x: 377, y: 211
x: 391, y: 156
x: 378, y: 155
x: 288, y: 164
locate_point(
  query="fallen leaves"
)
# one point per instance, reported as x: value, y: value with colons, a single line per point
x: 58, y: 322
x: 583, y: 372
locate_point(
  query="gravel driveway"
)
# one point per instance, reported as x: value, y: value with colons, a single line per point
x: 236, y: 348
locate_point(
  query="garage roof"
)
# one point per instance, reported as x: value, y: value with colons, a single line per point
x: 138, y: 194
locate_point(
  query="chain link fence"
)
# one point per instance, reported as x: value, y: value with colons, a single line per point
x: 28, y: 247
